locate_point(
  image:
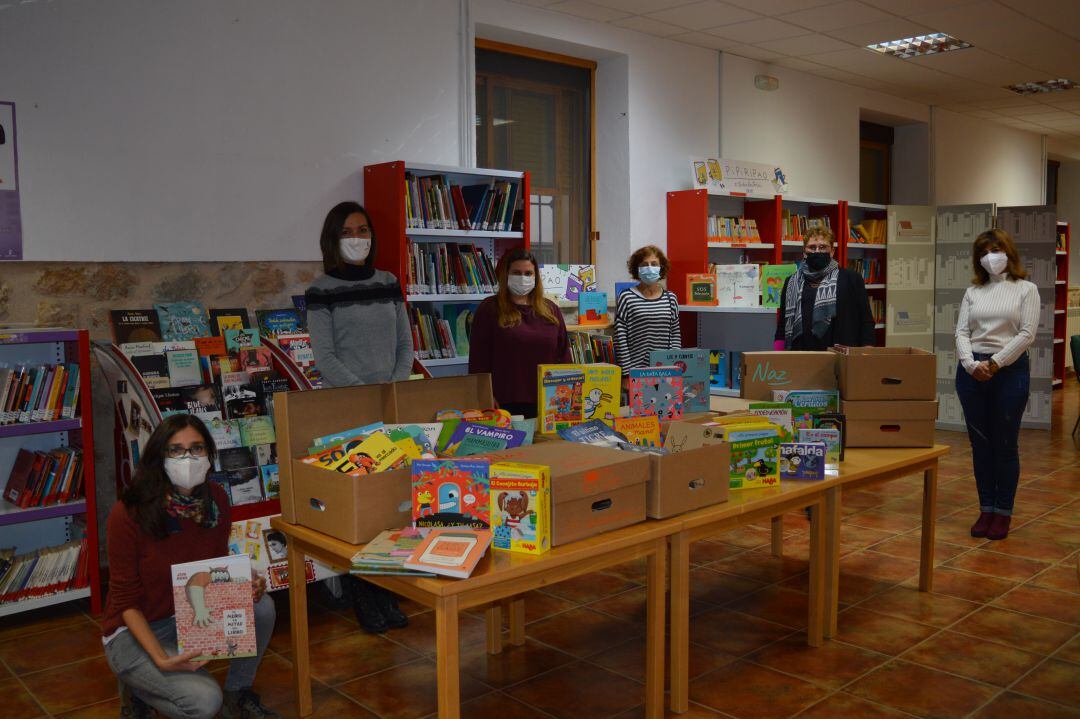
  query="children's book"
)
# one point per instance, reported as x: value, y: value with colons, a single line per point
x: 280, y: 322
x: 734, y: 363
x: 642, y: 431
x: 694, y: 365
x: 470, y: 439
x: 184, y: 368
x: 621, y: 287
x: 832, y: 420
x: 738, y: 285
x: 332, y: 439
x: 245, y: 485
x: 235, y: 458
x: 257, y: 430
x: 450, y: 552
x: 426, y: 435
x: 298, y: 347
x: 270, y: 482
x: 521, y: 507
x: 254, y: 360
x: 388, y: 552
x: 830, y: 436
x: 264, y: 454
x: 772, y: 283
x: 376, y: 453
x: 210, y: 346
x: 560, y: 395
x: 754, y: 455
x: 182, y: 320
x: 236, y: 340
x: 226, y: 433
x: 129, y: 326
x: 228, y: 319
x: 154, y: 370
x: 802, y: 460
x: 701, y: 290
x: 656, y: 390
x: 592, y: 308
x: 807, y: 404
x: 566, y: 282
x: 601, y: 392
x: 460, y: 318
x: 215, y: 608
x: 597, y: 433
x: 779, y: 413
x: 451, y: 493
x: 718, y: 369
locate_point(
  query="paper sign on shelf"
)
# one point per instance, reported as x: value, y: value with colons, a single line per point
x: 738, y: 177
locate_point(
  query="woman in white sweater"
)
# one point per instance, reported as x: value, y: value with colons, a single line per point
x: 998, y: 319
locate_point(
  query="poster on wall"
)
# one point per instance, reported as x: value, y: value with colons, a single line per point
x: 738, y: 177
x: 10, y: 214
x: 267, y: 548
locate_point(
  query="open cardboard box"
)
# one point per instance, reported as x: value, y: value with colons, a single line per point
x: 880, y: 373
x: 691, y: 479
x: 762, y: 372
x: 593, y: 489
x: 356, y: 509
x: 889, y: 423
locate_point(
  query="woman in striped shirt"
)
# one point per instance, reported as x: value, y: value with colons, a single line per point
x: 646, y: 316
x: 998, y: 318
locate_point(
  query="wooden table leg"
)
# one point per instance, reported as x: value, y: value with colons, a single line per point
x: 815, y: 623
x: 298, y: 626
x: 447, y: 659
x: 929, y: 524
x: 831, y: 595
x: 516, y: 621
x: 778, y: 536
x: 493, y: 618
x: 680, y: 622
x: 654, y: 630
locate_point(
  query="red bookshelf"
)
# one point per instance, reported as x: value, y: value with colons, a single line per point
x: 384, y: 199
x: 39, y: 527
x: 1061, y: 304
x: 850, y: 251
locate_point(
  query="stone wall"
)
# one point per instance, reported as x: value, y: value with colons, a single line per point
x: 80, y: 295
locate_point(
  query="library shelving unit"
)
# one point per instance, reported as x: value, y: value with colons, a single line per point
x: 851, y: 252
x: 1061, y: 303
x: 37, y: 528
x: 829, y: 212
x: 384, y: 199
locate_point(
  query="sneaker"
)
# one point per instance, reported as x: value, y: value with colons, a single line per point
x: 387, y: 603
x: 366, y: 606
x: 979, y: 528
x: 132, y: 707
x: 999, y: 527
x: 245, y: 704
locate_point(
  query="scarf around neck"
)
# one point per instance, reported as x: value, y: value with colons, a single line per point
x: 352, y: 273
x: 178, y: 506
x: 824, y: 302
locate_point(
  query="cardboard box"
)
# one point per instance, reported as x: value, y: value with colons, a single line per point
x: 593, y: 489
x: 899, y: 423
x: 691, y: 479
x: 876, y: 373
x: 762, y: 372
x: 356, y: 509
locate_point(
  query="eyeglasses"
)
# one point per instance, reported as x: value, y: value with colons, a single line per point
x: 175, y: 451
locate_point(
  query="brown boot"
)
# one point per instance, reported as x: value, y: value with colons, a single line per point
x: 979, y: 528
x: 999, y: 527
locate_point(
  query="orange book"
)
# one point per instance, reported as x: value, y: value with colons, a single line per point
x: 450, y: 552
x: 701, y: 290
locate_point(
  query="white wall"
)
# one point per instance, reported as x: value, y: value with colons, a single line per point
x: 217, y: 129
x: 981, y: 161
x: 809, y: 126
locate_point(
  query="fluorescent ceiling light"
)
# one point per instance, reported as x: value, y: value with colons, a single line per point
x: 919, y: 45
x: 1034, y: 88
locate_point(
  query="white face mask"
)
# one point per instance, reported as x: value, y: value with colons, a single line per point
x: 649, y: 274
x: 354, y: 250
x: 521, y: 285
x: 994, y: 262
x: 187, y: 472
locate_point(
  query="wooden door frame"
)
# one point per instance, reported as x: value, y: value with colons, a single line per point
x: 590, y: 65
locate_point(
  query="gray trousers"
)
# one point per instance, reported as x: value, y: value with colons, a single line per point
x: 185, y: 695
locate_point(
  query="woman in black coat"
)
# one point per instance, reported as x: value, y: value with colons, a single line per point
x: 822, y: 304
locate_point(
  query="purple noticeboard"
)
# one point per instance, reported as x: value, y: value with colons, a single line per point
x: 11, y: 247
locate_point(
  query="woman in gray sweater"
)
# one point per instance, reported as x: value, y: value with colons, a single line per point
x: 355, y: 313
x: 360, y: 335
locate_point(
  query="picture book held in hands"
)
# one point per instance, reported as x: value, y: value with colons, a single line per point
x: 215, y: 608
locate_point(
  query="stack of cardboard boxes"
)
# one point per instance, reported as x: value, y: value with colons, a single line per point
x: 888, y: 396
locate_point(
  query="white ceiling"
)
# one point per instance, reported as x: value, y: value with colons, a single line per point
x: 1015, y: 41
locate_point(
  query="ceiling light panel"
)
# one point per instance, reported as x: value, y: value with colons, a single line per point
x: 1034, y: 88
x: 932, y: 44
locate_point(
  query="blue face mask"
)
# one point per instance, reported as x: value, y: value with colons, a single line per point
x: 649, y: 275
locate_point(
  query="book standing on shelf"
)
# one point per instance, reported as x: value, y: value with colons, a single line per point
x: 45, y: 393
x: 438, y: 268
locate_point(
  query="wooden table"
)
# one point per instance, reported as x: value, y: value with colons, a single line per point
x: 499, y: 576
x: 860, y: 467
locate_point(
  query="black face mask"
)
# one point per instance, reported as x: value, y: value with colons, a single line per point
x: 817, y: 261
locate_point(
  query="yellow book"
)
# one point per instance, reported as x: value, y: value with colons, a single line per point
x: 643, y: 431
x: 520, y: 507
x: 559, y: 397
x: 602, y: 392
x: 409, y: 446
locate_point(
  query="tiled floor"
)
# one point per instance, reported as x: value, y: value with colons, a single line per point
x: 999, y: 637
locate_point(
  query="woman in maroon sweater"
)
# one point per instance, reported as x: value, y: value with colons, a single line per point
x: 170, y: 515
x: 515, y: 331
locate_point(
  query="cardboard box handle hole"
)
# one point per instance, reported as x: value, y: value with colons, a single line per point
x: 697, y: 483
x: 890, y: 428
x: 601, y: 505
x: 891, y: 380
x: 318, y: 505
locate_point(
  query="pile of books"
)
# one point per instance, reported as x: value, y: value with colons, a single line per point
x: 793, y: 227
x: 444, y: 268
x: 43, y: 393
x: 43, y: 572
x: 732, y: 229
x: 872, y: 232
x: 42, y: 479
x: 433, y: 202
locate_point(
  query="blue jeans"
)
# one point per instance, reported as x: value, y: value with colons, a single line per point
x: 185, y: 695
x: 993, y: 410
